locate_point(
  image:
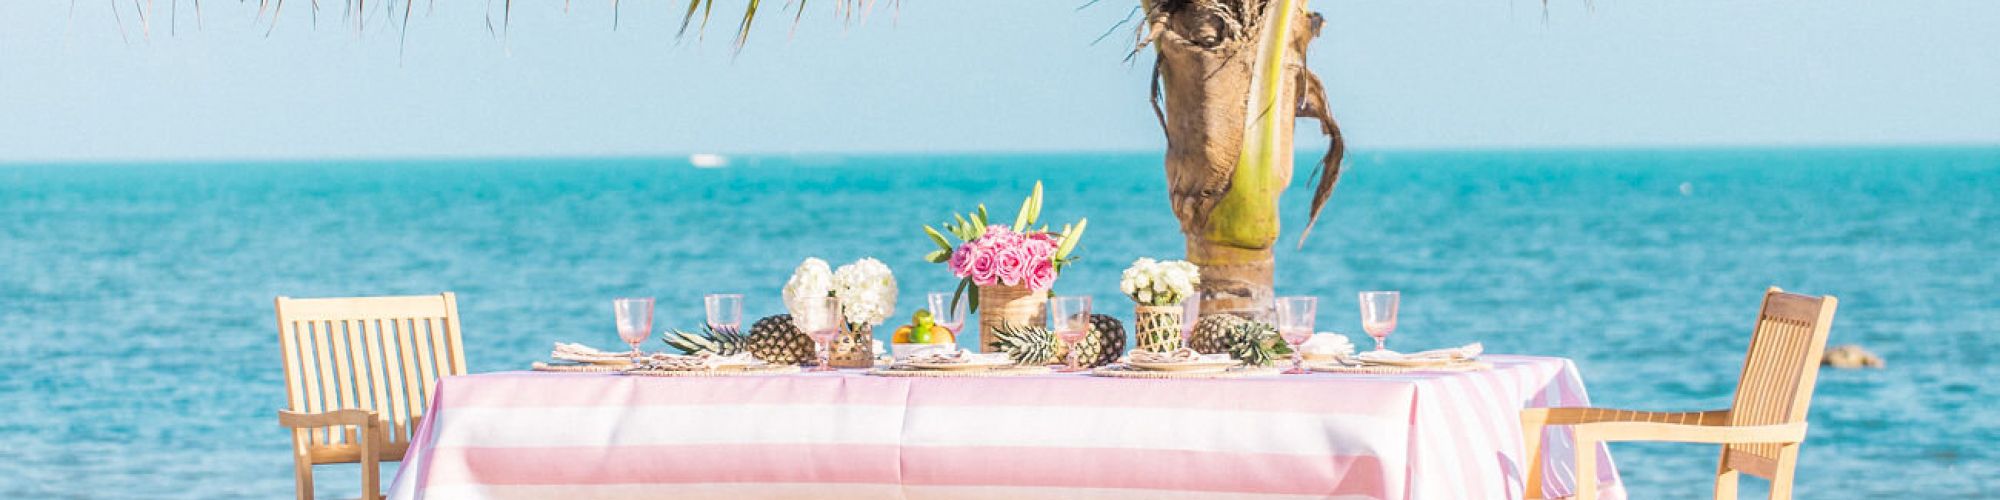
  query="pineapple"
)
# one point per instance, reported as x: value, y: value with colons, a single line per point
x: 1209, y: 333
x: 1255, y: 343
x: 1105, y: 343
x: 1026, y: 345
x: 776, y: 340
x: 723, y: 342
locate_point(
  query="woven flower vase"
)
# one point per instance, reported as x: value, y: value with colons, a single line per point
x: 854, y: 348
x: 1009, y: 305
x: 1157, y: 328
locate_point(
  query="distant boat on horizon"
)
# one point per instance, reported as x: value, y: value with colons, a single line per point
x: 708, y: 160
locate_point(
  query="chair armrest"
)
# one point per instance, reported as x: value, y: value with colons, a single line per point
x: 1573, y: 416
x: 348, y: 416
x: 1684, y: 433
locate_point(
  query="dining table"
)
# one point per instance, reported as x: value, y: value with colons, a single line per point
x: 850, y: 434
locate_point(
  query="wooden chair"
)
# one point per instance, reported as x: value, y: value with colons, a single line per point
x: 1760, y: 432
x: 360, y: 373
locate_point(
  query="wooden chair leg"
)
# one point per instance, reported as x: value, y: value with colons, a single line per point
x: 371, y: 464
x: 1586, y: 466
x: 1531, y: 455
x: 302, y: 469
x: 1781, y: 480
x: 1725, y: 477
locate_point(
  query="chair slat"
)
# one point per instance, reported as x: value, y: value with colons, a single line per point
x: 412, y: 378
x: 398, y: 409
x: 378, y: 362
x: 426, y: 360
x: 343, y: 373
x: 324, y: 392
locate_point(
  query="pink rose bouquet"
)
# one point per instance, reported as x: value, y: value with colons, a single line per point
x: 996, y: 254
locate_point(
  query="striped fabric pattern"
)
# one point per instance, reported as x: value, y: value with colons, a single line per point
x: 579, y: 436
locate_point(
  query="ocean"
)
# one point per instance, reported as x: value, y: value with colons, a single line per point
x: 141, y: 361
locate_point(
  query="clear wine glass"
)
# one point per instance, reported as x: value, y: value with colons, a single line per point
x: 1190, y: 315
x: 820, y: 319
x: 725, y: 311
x: 635, y: 320
x: 1071, y: 316
x: 1378, y: 315
x: 1295, y: 325
x: 946, y: 314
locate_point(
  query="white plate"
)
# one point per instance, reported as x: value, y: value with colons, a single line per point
x: 611, y: 360
x: 1185, y: 365
x: 955, y: 366
x: 1413, y: 362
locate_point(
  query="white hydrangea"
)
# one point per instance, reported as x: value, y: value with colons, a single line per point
x: 1155, y: 283
x: 867, y: 291
x: 812, y: 279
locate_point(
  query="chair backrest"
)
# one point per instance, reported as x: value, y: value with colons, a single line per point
x: 1779, y: 373
x: 383, y: 354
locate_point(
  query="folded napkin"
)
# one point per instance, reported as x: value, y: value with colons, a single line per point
x: 569, y: 351
x: 1462, y: 353
x: 1328, y: 344
x: 679, y: 362
x: 943, y: 357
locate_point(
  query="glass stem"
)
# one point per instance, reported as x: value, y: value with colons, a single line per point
x: 1298, y: 360
x: 1378, y: 344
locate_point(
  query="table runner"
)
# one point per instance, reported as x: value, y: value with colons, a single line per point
x: 583, y: 436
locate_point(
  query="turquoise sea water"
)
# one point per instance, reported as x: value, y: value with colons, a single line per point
x: 138, y: 352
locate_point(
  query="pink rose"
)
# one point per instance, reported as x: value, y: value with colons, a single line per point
x: 982, y: 265
x: 958, y: 261
x: 1014, y: 264
x: 1039, y: 249
x: 1043, y: 278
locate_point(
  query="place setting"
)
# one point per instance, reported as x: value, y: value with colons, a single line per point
x: 1378, y: 319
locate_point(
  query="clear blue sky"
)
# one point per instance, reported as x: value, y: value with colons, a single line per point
x: 958, y: 75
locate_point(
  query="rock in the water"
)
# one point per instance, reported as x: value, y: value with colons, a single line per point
x: 1851, y: 356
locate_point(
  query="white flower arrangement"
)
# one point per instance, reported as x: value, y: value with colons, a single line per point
x: 1156, y: 283
x: 812, y: 279
x: 867, y: 291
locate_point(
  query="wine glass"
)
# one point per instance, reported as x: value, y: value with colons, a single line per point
x: 1295, y: 325
x: 725, y: 311
x: 1190, y: 315
x: 946, y: 314
x: 1071, y: 315
x: 1378, y: 315
x: 635, y: 320
x: 819, y: 318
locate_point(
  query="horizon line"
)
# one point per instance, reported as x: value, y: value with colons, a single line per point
x: 682, y: 155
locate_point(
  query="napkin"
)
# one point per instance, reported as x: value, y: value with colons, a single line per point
x: 1461, y: 353
x: 570, y: 351
x: 1329, y: 344
x: 1183, y: 355
x: 943, y: 357
x: 664, y: 361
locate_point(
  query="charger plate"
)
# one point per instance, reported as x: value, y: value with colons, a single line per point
x: 575, y: 368
x: 748, y: 371
x: 1467, y: 366
x: 1122, y: 371
x: 1013, y: 371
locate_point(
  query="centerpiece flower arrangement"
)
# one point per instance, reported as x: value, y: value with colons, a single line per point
x: 867, y: 292
x: 1008, y: 269
x: 1159, y: 288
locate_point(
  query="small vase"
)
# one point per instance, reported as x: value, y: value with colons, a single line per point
x: 1009, y: 305
x: 854, y: 348
x: 1157, y: 328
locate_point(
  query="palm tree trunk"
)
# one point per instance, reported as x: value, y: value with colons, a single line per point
x: 1205, y: 70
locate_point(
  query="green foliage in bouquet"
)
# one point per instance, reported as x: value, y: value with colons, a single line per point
x: 722, y: 342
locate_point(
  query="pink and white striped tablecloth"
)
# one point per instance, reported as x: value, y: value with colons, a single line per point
x: 849, y: 435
